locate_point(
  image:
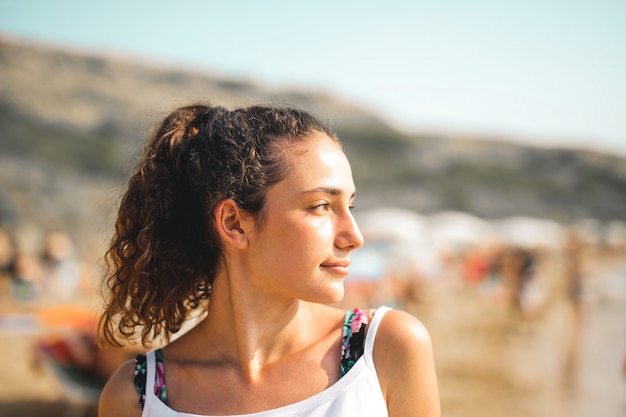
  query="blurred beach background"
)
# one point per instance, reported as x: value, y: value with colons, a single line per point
x: 488, y: 144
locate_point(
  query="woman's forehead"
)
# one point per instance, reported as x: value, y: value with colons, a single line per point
x: 315, y: 150
x: 316, y: 163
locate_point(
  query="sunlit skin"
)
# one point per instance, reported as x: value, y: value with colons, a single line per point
x: 268, y: 317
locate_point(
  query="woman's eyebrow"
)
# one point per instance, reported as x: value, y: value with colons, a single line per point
x: 326, y: 190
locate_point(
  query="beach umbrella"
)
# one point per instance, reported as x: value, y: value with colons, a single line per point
x: 531, y: 233
x: 392, y: 224
x: 454, y: 229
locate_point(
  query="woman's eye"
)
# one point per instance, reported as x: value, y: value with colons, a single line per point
x: 320, y: 207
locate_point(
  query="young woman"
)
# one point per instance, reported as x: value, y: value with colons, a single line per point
x: 246, y: 215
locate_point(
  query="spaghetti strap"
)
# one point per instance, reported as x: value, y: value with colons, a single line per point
x: 371, y: 332
x: 150, y: 372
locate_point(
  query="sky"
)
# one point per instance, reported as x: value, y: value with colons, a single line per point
x: 547, y: 72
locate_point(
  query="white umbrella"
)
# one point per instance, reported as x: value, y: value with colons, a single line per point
x: 530, y: 232
x: 458, y: 229
x: 392, y: 224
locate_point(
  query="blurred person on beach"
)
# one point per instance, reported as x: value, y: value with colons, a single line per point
x: 573, y: 248
x: 26, y: 278
x: 517, y: 272
x: 7, y: 261
x: 61, y: 275
x: 243, y: 218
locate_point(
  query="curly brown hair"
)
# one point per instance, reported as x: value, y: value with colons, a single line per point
x: 165, y: 250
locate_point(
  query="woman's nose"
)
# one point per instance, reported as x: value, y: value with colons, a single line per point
x: 349, y: 236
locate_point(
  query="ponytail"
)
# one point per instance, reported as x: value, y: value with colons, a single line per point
x: 160, y: 242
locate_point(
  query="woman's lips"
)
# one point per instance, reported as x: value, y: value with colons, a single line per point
x: 339, y: 267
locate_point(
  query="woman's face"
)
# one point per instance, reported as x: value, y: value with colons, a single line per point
x: 301, y: 248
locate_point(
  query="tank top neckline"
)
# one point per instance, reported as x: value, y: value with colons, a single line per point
x: 328, y: 394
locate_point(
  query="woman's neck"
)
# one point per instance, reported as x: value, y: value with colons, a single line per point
x: 248, y: 330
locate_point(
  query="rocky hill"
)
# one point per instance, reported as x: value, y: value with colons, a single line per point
x: 71, y: 123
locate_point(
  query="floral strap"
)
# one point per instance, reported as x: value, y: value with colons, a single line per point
x: 141, y: 376
x: 352, y: 343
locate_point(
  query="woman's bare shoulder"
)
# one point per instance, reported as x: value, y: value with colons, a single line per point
x: 401, y: 331
x: 403, y: 352
x: 119, y: 397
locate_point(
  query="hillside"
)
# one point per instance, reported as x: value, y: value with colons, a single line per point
x: 70, y: 124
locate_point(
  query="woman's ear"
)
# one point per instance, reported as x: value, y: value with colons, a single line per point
x: 232, y: 223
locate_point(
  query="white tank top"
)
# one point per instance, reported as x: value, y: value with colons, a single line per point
x: 357, y: 393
